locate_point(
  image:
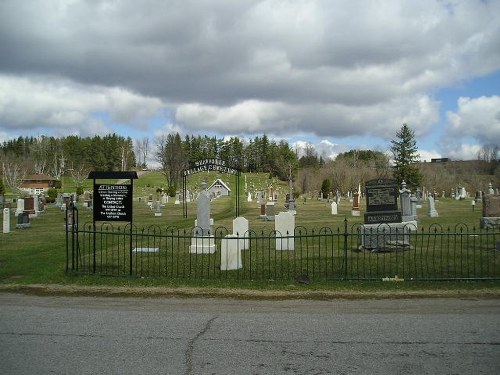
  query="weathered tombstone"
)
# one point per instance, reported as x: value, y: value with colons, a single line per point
x: 291, y: 207
x: 36, y: 201
x: 284, y: 226
x: 178, y: 199
x: 249, y: 197
x: 413, y: 208
x: 29, y: 206
x: 491, y: 212
x: 334, y: 208
x: 203, y: 241
x: 404, y: 199
x: 230, y: 257
x: 263, y: 210
x: 59, y: 200
x: 270, y: 211
x: 355, y: 205
x: 490, y: 189
x: 20, y: 206
x: 164, y: 199
x: 158, y: 208
x: 432, y: 207
x: 6, y: 220
x: 240, y: 230
x: 23, y: 220
x: 383, y: 228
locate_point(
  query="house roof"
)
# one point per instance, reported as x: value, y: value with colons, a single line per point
x: 220, y: 182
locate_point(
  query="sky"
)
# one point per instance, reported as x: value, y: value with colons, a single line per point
x: 337, y: 75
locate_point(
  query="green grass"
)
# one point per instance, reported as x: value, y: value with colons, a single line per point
x: 37, y: 255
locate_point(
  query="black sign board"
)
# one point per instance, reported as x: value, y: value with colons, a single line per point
x: 381, y: 195
x: 112, y: 202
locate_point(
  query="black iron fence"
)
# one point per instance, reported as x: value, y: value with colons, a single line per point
x: 343, y: 253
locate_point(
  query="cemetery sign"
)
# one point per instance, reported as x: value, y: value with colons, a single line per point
x: 112, y: 202
x: 207, y: 165
x: 211, y: 165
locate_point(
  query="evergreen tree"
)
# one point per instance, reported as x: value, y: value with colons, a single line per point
x: 405, y: 152
x: 326, y: 187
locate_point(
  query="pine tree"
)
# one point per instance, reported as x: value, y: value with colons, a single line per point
x: 405, y: 152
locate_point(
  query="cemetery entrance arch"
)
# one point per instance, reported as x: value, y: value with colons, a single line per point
x: 207, y: 165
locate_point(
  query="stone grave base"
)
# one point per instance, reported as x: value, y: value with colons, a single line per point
x: 23, y: 226
x: 386, y: 237
x: 145, y: 249
x: 202, y: 245
x: 489, y: 222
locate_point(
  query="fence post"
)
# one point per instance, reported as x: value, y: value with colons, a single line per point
x: 346, y: 234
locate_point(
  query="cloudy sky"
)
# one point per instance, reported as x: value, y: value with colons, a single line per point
x: 335, y: 74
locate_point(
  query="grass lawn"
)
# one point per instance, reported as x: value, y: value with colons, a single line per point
x: 37, y: 255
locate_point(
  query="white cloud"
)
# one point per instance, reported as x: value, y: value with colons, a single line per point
x: 66, y: 107
x: 322, y: 119
x: 476, y: 117
x: 332, y: 69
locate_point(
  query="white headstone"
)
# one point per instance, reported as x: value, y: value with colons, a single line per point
x: 20, y: 207
x: 334, y: 208
x: 249, y: 198
x: 284, y: 225
x: 6, y: 220
x: 230, y: 254
x: 36, y: 203
x: 240, y: 230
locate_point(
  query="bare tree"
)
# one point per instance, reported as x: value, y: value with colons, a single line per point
x: 14, y: 175
x: 489, y: 153
x: 79, y: 174
x: 39, y: 152
x: 58, y: 165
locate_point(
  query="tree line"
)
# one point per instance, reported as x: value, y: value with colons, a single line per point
x: 76, y: 156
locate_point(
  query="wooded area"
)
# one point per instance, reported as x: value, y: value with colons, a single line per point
x: 75, y: 156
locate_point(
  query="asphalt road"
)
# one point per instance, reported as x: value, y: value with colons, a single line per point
x: 86, y: 335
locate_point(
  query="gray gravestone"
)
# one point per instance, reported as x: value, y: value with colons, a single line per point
x: 203, y: 213
x: 404, y: 198
x: 203, y: 240
x: 491, y: 212
x: 432, y: 207
x: 383, y: 228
